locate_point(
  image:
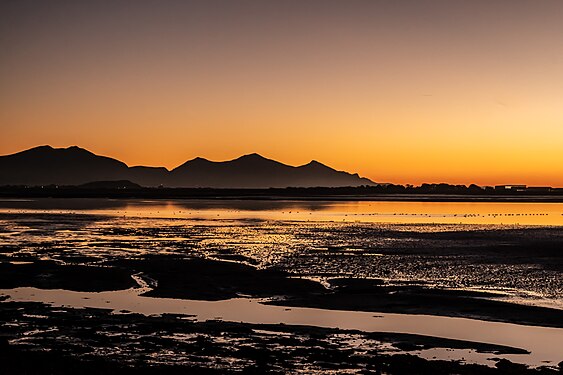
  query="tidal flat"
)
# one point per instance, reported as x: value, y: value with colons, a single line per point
x: 154, y: 283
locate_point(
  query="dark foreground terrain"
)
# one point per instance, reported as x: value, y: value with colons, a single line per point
x: 449, y: 270
x: 211, y: 280
x: 37, y: 339
x: 40, y: 339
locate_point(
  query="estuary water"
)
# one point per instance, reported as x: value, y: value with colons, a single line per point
x: 512, y: 250
x: 541, y: 342
x: 399, y: 212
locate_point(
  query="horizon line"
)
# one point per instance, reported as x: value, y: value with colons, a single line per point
x: 277, y: 161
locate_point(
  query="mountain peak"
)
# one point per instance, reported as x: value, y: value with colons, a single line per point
x: 51, y: 149
x: 252, y: 156
x: 198, y: 160
x: 44, y: 147
x: 75, y: 149
x: 44, y: 165
x: 315, y: 162
x: 253, y: 159
x: 316, y: 165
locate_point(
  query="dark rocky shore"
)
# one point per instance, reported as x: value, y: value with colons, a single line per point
x: 212, y: 280
x: 38, y: 339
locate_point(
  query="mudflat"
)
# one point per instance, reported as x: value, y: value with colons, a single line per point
x: 498, y: 273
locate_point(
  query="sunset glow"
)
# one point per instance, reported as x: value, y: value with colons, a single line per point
x: 397, y: 91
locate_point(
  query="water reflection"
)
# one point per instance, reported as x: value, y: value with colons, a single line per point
x: 541, y: 342
x: 419, y: 242
x: 505, y: 213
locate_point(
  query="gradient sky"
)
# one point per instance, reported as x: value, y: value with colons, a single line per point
x: 396, y: 90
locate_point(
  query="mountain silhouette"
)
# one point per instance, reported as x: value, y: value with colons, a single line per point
x: 45, y: 165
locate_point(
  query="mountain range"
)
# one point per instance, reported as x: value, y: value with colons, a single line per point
x: 45, y: 165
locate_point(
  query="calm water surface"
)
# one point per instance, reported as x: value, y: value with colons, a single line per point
x: 504, y: 213
x: 541, y: 342
x: 445, y: 244
x: 456, y: 245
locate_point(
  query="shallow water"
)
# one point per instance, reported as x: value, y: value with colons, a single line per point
x: 542, y: 343
x: 509, y: 248
x: 312, y: 239
x: 502, y: 213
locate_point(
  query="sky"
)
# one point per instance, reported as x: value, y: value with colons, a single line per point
x: 401, y: 91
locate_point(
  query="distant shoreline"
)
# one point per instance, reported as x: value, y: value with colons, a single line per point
x: 274, y: 194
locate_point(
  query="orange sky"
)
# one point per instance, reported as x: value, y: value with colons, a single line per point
x: 398, y: 91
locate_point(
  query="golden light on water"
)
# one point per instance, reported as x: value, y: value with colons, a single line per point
x: 440, y: 213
